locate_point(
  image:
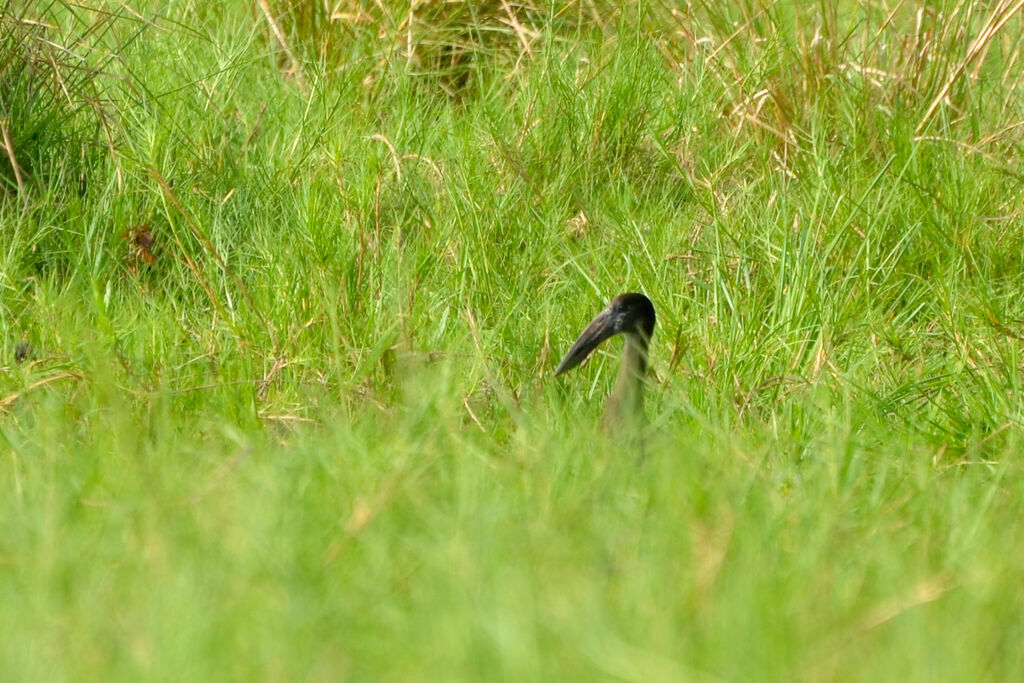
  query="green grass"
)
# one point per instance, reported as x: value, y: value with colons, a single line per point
x: 317, y: 438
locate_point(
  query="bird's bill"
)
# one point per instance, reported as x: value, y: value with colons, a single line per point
x: 599, y: 329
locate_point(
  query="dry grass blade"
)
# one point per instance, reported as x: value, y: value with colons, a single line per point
x: 12, y: 158
x: 11, y: 398
x: 275, y: 27
x: 997, y: 20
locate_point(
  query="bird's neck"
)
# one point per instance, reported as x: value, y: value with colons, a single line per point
x: 627, y: 401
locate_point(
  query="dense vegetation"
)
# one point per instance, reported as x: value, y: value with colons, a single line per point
x: 282, y: 285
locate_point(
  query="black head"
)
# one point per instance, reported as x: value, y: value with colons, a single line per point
x: 626, y: 314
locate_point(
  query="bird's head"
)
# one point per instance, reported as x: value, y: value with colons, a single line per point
x: 630, y: 314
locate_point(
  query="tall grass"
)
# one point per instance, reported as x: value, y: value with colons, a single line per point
x: 275, y: 392
x: 56, y: 105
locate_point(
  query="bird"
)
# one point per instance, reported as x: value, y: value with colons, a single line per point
x: 631, y: 315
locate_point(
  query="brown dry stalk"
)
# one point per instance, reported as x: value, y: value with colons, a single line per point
x: 513, y: 21
x: 8, y: 400
x: 9, y: 148
x: 1000, y: 15
x: 275, y: 28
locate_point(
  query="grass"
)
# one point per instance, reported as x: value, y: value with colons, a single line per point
x: 281, y: 293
